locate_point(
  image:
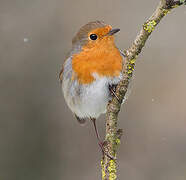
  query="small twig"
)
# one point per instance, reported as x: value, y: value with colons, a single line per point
x: 109, y: 167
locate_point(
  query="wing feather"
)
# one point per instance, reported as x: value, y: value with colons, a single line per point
x: 61, y: 74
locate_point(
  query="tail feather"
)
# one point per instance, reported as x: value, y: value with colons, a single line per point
x: 81, y: 121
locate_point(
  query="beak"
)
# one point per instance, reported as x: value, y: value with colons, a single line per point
x: 113, y: 31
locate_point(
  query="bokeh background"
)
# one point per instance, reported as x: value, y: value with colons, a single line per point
x: 40, y: 139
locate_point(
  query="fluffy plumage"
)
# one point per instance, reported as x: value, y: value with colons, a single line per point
x: 90, y: 69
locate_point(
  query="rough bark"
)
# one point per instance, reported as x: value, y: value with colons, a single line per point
x: 113, y: 135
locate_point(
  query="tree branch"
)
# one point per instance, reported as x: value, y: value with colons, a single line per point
x: 112, y: 138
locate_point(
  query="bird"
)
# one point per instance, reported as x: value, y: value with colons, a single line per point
x: 91, y: 72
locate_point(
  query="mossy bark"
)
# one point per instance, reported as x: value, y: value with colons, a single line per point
x: 112, y: 138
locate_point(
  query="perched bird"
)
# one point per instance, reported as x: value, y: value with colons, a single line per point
x: 91, y: 71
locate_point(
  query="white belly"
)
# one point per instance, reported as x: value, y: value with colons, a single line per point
x: 89, y: 100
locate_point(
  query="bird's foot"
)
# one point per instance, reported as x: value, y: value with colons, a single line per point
x: 102, y: 145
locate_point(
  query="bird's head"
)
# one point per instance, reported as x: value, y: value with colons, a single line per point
x: 94, y: 34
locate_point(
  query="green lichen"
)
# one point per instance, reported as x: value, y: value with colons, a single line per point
x: 118, y: 142
x: 103, y: 169
x: 166, y: 11
x: 150, y: 26
x: 130, y: 67
x: 175, y: 6
x: 132, y: 61
x: 183, y: 1
x: 112, y: 170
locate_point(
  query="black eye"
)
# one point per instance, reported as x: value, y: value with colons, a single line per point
x: 93, y: 36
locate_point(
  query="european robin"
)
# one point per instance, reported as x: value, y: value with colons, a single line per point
x: 93, y: 68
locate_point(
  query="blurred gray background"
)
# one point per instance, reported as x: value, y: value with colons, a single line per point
x: 40, y: 139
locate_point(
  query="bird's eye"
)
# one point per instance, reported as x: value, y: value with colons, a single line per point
x: 93, y: 36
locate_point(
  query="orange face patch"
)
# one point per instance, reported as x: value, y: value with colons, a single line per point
x: 101, y: 34
x: 101, y: 31
x: 102, y: 58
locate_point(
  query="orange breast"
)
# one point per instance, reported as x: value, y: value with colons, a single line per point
x: 105, y: 60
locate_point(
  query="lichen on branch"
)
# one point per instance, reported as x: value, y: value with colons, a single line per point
x: 112, y: 137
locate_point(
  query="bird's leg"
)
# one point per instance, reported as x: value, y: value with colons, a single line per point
x: 101, y: 143
x: 112, y: 89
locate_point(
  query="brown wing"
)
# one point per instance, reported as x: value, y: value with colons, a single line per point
x: 81, y: 121
x: 62, y: 68
x: 61, y: 74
